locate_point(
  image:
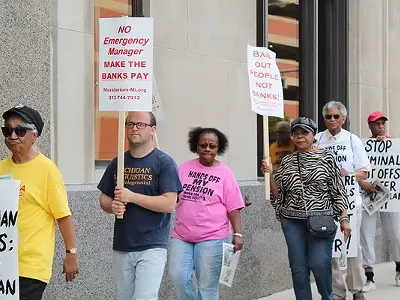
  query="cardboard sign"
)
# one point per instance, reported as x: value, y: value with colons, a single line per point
x: 266, y: 92
x: 351, y: 245
x: 9, y: 280
x: 384, y: 157
x: 125, y: 64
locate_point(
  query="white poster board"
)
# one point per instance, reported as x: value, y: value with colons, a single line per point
x: 266, y: 92
x: 158, y: 109
x: 351, y: 245
x: 384, y: 157
x: 125, y: 64
x: 9, y: 280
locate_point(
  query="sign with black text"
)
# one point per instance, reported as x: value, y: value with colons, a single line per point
x: 9, y: 283
x: 351, y: 244
x: 384, y: 157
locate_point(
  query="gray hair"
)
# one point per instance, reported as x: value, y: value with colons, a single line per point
x: 24, y: 124
x: 283, y: 124
x: 334, y: 104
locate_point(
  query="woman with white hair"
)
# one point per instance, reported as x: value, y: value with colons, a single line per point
x: 42, y: 200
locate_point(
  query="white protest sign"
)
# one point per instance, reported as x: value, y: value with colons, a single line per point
x: 351, y: 245
x: 384, y: 157
x: 158, y: 109
x: 125, y: 64
x: 9, y: 280
x: 266, y: 92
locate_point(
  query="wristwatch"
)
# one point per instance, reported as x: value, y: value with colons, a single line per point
x: 72, y: 250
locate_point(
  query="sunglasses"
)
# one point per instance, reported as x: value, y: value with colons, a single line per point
x: 328, y: 117
x: 211, y: 146
x: 20, y: 131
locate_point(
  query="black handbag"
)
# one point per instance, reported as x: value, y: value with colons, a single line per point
x: 320, y: 226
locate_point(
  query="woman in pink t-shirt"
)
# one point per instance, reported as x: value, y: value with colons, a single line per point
x: 208, y: 207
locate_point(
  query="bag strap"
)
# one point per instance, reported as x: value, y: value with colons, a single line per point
x: 301, y: 181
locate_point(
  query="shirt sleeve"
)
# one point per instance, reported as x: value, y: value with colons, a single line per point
x: 232, y: 199
x: 361, y: 161
x: 169, y: 177
x: 57, y: 199
x: 107, y: 183
x: 340, y: 201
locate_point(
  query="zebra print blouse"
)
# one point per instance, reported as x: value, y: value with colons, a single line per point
x: 324, y: 190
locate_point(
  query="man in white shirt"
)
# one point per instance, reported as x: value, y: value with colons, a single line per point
x: 352, y: 158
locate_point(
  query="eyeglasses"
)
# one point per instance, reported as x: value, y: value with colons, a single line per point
x: 328, y: 117
x: 211, y: 146
x: 20, y: 131
x: 139, y: 125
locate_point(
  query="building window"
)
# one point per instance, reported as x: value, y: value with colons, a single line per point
x: 283, y: 38
x: 106, y: 123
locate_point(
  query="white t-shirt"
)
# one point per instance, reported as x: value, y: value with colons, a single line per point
x: 349, y: 152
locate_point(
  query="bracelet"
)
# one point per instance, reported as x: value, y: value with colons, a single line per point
x: 342, y: 219
x: 238, y: 234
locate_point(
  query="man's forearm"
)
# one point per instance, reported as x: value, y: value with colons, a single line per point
x: 361, y: 175
x: 67, y: 232
x: 164, y: 203
x: 105, y: 203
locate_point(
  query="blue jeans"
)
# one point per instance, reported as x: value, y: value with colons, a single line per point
x: 308, y: 253
x: 205, y: 260
x: 138, y: 275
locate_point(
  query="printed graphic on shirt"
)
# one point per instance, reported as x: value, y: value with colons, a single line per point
x: 137, y: 176
x: 277, y: 153
x: 199, y: 188
x: 340, y: 152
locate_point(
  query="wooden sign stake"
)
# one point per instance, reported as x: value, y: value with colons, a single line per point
x: 266, y: 157
x: 155, y: 141
x: 121, y: 152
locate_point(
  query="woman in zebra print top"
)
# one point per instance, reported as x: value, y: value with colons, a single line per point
x: 308, y: 182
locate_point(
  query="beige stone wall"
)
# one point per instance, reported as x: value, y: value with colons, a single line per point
x: 374, y: 62
x: 200, y: 67
x: 25, y: 62
x: 72, y: 45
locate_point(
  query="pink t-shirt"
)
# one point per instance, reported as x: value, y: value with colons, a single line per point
x: 209, y: 194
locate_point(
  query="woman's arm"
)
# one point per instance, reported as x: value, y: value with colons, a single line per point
x: 266, y: 167
x: 236, y: 222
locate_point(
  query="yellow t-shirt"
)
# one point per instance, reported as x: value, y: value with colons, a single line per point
x: 42, y: 200
x: 277, y: 153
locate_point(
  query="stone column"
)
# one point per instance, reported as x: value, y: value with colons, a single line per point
x: 25, y: 61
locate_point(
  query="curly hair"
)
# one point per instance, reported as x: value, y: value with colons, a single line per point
x: 196, y: 132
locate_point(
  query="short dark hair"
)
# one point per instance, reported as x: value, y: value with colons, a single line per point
x: 194, y: 137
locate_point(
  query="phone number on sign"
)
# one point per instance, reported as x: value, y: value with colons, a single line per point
x: 113, y: 97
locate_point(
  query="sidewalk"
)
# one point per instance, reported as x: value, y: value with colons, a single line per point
x: 384, y: 279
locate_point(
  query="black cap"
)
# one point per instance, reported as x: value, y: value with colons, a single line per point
x: 304, y: 123
x: 29, y: 115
